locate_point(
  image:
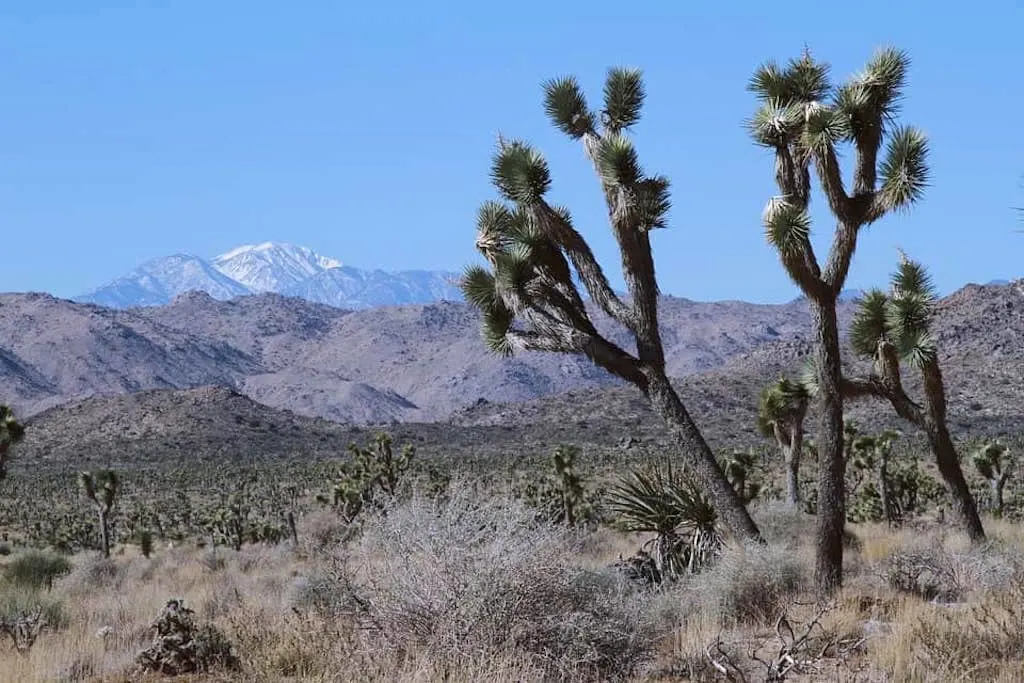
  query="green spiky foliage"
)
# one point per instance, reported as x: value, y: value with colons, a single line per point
x: 371, y: 475
x: 994, y: 462
x: 781, y: 410
x: 869, y: 457
x: 102, y: 488
x: 894, y: 328
x: 529, y: 293
x: 807, y: 121
x: 665, y: 502
x: 11, y: 432
x: 740, y: 468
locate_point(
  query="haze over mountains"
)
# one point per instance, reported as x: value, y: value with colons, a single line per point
x: 273, y: 267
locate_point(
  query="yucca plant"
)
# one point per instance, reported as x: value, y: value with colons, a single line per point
x: 668, y: 504
x: 780, y: 414
x: 806, y: 120
x: 893, y: 327
x: 529, y: 293
x: 11, y: 432
x: 993, y: 462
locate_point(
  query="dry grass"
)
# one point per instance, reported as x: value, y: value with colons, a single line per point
x: 479, y: 591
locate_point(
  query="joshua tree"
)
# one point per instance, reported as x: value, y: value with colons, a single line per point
x: 567, y: 481
x: 102, y: 488
x: 739, y: 470
x: 894, y: 327
x: 871, y: 453
x: 780, y: 414
x: 370, y: 470
x: 529, y: 298
x: 11, y: 432
x: 805, y: 120
x: 992, y: 462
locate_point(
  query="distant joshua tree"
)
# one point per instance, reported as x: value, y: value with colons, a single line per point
x: 780, y: 414
x: 529, y: 298
x: 896, y: 326
x: 11, y: 432
x: 102, y: 488
x: 805, y: 120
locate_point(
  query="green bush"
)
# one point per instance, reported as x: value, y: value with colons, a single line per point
x: 36, y: 569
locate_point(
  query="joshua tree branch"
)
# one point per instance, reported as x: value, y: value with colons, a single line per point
x: 583, y: 260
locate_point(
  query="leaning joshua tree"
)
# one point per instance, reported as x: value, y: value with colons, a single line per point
x: 101, y: 488
x: 11, y: 432
x: 894, y: 327
x: 780, y: 414
x: 805, y: 120
x: 529, y: 298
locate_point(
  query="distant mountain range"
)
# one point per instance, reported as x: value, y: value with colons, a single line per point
x: 277, y: 268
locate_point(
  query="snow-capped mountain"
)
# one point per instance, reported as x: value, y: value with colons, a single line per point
x: 271, y: 266
x: 158, y: 281
x: 347, y: 287
x: 280, y: 268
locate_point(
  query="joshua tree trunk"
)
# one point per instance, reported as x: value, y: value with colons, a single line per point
x: 104, y: 533
x: 828, y: 574
x: 699, y: 458
x: 945, y: 453
x: 793, y: 455
x: 997, y: 496
x: 883, y: 486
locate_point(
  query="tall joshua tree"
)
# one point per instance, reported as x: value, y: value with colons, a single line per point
x: 529, y: 298
x: 101, y: 488
x: 780, y: 414
x: 804, y: 119
x: 894, y: 327
x: 11, y: 432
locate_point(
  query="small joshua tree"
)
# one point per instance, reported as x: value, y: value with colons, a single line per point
x: 993, y: 462
x: 529, y: 298
x: 567, y: 482
x: 896, y: 326
x: 101, y: 488
x: 780, y: 414
x: 871, y: 454
x: 11, y: 432
x: 370, y: 470
x: 805, y: 120
x: 739, y: 470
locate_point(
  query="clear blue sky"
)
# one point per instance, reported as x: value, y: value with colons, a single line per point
x: 131, y: 130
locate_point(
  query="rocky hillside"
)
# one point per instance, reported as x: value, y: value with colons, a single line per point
x: 407, y: 363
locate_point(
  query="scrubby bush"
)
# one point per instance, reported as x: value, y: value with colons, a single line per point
x: 475, y: 579
x: 750, y: 584
x: 36, y: 569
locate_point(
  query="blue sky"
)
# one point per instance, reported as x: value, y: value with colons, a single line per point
x: 133, y: 130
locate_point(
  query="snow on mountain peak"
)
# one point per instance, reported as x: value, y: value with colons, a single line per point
x: 272, y: 266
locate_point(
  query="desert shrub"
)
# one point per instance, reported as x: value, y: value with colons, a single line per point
x: 181, y: 646
x: 36, y: 569
x: 928, y: 570
x: 484, y: 578
x: 93, y: 572
x: 975, y: 642
x: 749, y: 584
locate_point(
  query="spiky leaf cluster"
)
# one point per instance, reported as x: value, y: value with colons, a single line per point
x: 532, y: 248
x: 805, y: 118
x: 779, y: 403
x: 991, y: 460
x: 100, y: 487
x: 903, y: 316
